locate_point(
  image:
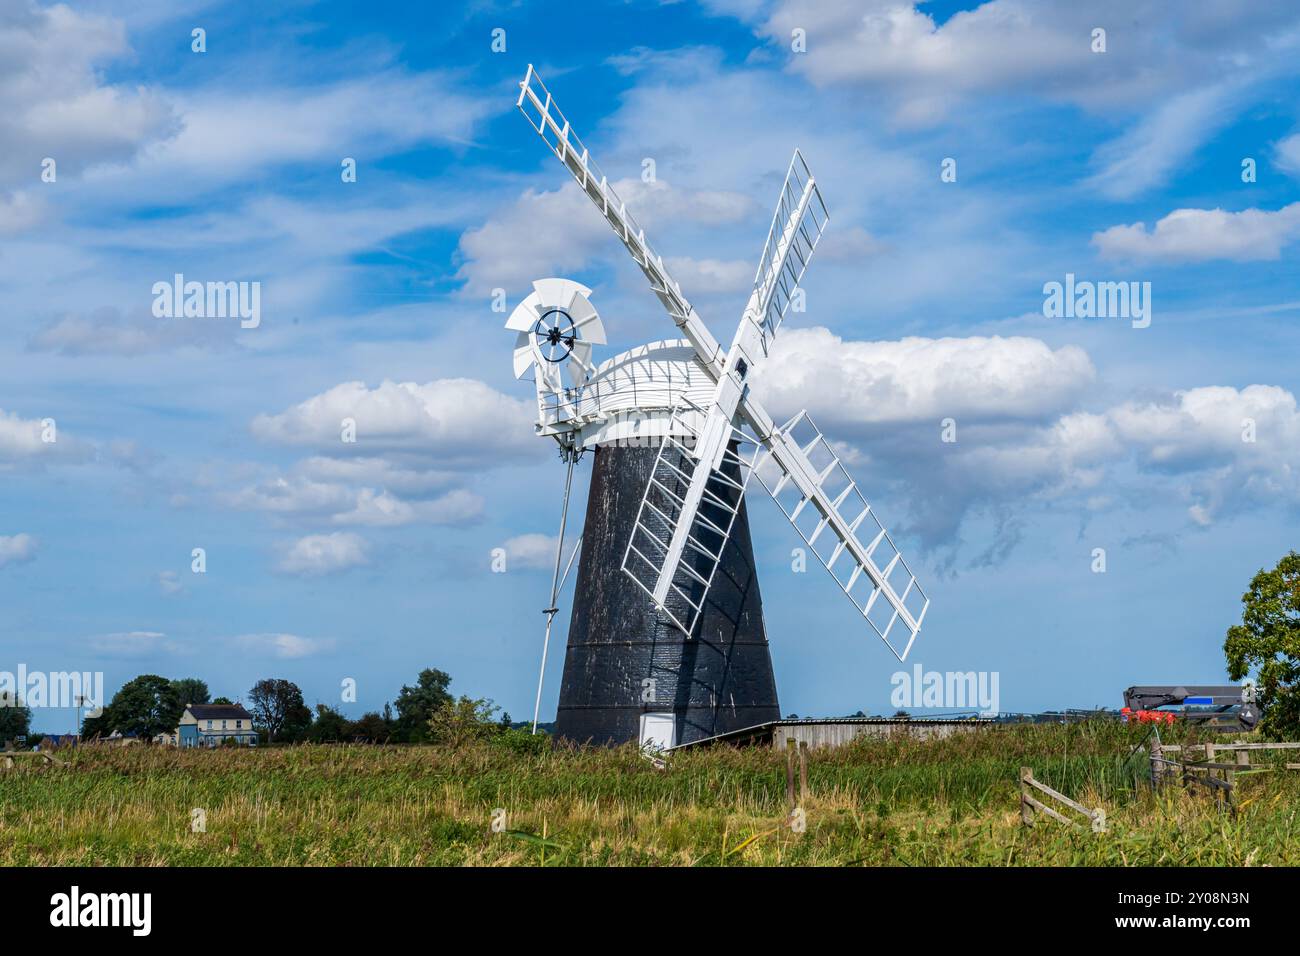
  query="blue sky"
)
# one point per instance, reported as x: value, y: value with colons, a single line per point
x: 370, y: 561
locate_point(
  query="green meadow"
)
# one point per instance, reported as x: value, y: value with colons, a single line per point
x: 898, y: 802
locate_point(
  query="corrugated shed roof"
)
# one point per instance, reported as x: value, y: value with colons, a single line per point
x: 759, y: 730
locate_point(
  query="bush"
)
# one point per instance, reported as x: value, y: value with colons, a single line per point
x: 459, y: 722
x: 517, y: 740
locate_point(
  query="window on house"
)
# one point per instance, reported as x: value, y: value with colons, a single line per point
x: 223, y: 725
x: 209, y: 725
x: 239, y: 725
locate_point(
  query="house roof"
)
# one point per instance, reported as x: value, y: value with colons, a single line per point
x: 218, y: 711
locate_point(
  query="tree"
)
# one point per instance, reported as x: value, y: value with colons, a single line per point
x: 464, y: 721
x: 191, y: 690
x: 329, y: 726
x: 370, y: 727
x: 146, y: 706
x: 15, y: 717
x: 278, y: 706
x: 1267, y: 643
x: 415, y: 705
x: 222, y: 700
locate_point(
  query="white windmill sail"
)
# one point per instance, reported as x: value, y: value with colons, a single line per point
x: 797, y: 225
x: 701, y: 472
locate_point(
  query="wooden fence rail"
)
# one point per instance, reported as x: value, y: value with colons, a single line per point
x: 1029, y: 804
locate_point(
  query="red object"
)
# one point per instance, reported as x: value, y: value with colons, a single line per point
x: 1148, y: 716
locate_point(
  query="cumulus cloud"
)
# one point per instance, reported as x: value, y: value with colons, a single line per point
x: 1219, y: 449
x: 16, y: 549
x: 1025, y: 435
x: 1196, y: 235
x: 918, y: 379
x: 318, y: 554
x: 23, y: 442
x: 460, y: 422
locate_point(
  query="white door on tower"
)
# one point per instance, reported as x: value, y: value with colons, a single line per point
x: 658, y: 731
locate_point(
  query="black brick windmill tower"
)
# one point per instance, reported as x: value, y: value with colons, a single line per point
x: 666, y: 641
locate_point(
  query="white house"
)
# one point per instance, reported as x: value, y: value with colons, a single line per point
x: 207, y: 725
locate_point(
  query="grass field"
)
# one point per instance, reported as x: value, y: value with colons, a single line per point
x: 899, y: 802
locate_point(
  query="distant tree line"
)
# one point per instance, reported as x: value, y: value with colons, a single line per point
x: 424, y: 712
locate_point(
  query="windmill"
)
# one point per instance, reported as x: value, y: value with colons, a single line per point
x: 667, y: 642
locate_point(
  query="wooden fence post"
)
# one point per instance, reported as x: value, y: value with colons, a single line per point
x: 789, y: 772
x: 1157, y: 764
x: 1026, y: 809
x: 803, y: 773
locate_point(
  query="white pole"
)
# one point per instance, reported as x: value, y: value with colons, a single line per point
x: 555, y: 586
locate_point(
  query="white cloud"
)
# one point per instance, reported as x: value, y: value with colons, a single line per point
x: 53, y: 100
x: 108, y: 332
x: 707, y: 276
x: 344, y: 503
x: 1024, y: 434
x: 382, y: 509
x: 460, y: 422
x: 19, y: 211
x: 853, y: 245
x: 284, y: 646
x: 918, y: 379
x: 16, y: 549
x: 531, y: 551
x: 558, y: 232
x: 1022, y: 46
x: 228, y: 132
x: 1146, y: 155
x: 1287, y: 154
x: 1195, y: 235
x: 22, y: 443
x: 319, y: 554
x: 374, y: 472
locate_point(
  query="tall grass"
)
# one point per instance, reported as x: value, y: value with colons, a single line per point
x: 895, y: 801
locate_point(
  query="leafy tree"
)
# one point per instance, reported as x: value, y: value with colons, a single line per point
x: 464, y: 721
x: 1267, y: 643
x: 329, y: 726
x: 415, y: 705
x: 219, y: 700
x: 277, y: 705
x: 371, y: 727
x: 15, y: 717
x: 147, y: 705
x: 190, y: 690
